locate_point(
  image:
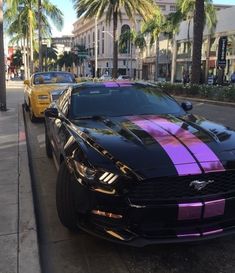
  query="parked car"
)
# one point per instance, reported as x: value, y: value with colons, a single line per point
x: 105, y: 77
x: 136, y: 168
x: 37, y: 90
x: 124, y: 77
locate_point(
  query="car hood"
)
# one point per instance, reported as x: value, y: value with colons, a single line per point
x: 154, y: 145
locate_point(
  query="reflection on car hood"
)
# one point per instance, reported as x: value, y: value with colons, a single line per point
x: 154, y: 145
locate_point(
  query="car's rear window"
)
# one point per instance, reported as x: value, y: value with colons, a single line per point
x: 121, y: 101
x: 53, y: 77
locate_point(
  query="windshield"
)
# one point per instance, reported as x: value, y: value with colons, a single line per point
x: 122, y: 101
x: 53, y: 77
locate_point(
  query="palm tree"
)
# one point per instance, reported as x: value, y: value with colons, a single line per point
x: 24, y: 14
x: 49, y: 57
x: 198, y: 27
x: 3, y: 105
x: 129, y: 38
x: 171, y: 28
x: 81, y: 53
x: 203, y: 12
x: 67, y: 59
x: 17, y: 59
x: 113, y: 9
x: 154, y: 26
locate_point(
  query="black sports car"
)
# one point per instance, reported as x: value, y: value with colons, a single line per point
x: 136, y: 168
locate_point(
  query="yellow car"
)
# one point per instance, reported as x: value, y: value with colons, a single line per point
x: 37, y: 92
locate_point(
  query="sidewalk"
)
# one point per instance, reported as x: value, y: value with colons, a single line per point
x: 18, y: 234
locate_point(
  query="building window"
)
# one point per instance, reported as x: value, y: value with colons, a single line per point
x: 93, y: 43
x: 89, y: 45
x: 85, y: 41
x: 126, y: 47
x: 102, y: 40
x: 98, y: 42
x: 172, y: 8
x: 162, y: 7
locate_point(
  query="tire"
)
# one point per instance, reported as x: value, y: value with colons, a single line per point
x: 31, y: 114
x: 48, y: 145
x: 64, y: 199
x: 26, y: 107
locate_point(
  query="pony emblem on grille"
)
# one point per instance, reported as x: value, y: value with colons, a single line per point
x: 199, y: 185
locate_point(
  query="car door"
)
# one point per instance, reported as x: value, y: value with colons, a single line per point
x: 28, y: 90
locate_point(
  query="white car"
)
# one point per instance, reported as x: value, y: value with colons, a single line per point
x: 123, y: 77
x: 105, y: 77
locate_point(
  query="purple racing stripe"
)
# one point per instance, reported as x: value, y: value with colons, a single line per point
x: 206, y: 157
x: 189, y: 211
x: 214, y: 208
x: 183, y: 235
x: 110, y: 84
x: 183, y: 161
x: 212, y: 232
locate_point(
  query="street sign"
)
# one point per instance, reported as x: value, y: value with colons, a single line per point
x: 222, y: 50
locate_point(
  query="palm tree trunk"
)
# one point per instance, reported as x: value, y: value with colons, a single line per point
x: 188, y: 48
x: 3, y: 106
x: 131, y: 56
x: 173, y: 62
x: 157, y: 60
x: 115, y: 45
x: 39, y: 33
x: 25, y: 59
x: 197, y: 40
x: 31, y: 44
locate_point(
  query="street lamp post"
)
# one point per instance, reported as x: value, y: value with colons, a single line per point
x: 111, y: 35
x: 96, y: 48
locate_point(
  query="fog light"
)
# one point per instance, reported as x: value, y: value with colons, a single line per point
x: 107, y: 214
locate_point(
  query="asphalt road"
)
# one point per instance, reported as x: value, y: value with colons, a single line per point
x: 66, y: 252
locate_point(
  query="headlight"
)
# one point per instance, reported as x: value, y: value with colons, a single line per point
x: 108, y: 178
x: 103, y: 177
x: 84, y: 171
x: 43, y: 97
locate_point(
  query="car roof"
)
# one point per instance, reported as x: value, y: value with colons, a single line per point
x: 114, y: 83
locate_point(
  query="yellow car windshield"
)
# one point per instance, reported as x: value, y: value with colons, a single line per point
x: 53, y: 77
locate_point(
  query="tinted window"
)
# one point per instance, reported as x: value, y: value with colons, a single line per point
x: 87, y: 101
x: 53, y: 77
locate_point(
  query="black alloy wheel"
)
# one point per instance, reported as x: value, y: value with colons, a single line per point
x: 64, y: 199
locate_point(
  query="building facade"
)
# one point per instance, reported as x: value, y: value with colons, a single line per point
x: 62, y: 44
x: 173, y: 57
x: 211, y: 63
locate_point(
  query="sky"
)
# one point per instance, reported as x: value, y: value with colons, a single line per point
x: 66, y: 6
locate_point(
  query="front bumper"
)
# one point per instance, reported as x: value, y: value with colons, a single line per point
x: 121, y: 219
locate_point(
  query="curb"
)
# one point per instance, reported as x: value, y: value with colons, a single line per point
x: 220, y: 103
x: 29, y: 259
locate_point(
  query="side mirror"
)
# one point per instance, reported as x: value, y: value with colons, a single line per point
x: 26, y: 82
x: 51, y: 113
x: 187, y: 105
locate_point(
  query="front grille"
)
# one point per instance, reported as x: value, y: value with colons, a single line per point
x: 173, y: 188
